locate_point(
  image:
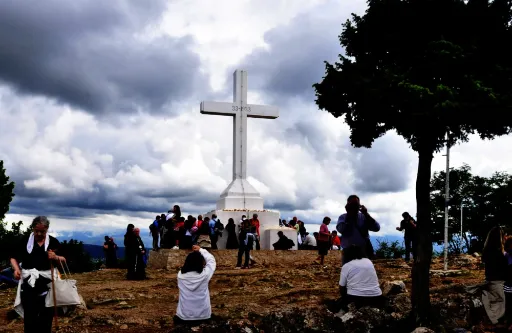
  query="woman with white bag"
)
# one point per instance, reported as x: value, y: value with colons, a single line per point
x: 35, y: 254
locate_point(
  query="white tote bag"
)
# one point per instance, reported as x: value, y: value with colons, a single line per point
x: 66, y: 293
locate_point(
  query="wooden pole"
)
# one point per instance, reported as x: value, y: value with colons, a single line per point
x: 54, y: 298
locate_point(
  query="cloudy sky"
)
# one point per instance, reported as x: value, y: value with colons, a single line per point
x: 100, y: 122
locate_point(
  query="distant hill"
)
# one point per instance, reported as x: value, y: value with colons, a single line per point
x: 96, y: 251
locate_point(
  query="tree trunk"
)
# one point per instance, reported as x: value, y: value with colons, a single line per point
x: 420, y: 294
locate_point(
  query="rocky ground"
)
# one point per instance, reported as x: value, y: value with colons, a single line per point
x: 268, y: 298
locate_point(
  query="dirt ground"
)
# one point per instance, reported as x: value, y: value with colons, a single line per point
x: 115, y: 304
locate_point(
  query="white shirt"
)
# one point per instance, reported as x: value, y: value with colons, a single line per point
x: 360, y: 278
x: 310, y: 240
x: 194, y: 300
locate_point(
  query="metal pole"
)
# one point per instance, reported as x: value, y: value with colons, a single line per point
x: 446, y: 199
x: 461, y: 219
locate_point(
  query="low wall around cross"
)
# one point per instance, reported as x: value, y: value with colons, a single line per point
x: 173, y: 260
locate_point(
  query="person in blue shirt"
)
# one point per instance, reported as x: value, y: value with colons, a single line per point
x: 213, y: 235
x: 354, y: 226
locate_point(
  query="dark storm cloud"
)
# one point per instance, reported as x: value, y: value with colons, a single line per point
x: 90, y: 54
x: 103, y: 199
x: 295, y: 57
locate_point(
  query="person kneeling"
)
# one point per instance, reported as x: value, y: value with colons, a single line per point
x: 194, y: 300
x: 359, y: 283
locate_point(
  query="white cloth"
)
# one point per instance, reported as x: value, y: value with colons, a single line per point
x: 169, y: 216
x: 194, y: 300
x: 33, y: 274
x: 30, y: 243
x: 360, y: 278
x: 310, y: 240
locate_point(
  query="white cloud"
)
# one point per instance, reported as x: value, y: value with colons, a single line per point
x: 70, y: 162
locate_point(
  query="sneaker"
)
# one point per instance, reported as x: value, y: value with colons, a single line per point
x: 238, y: 267
x: 245, y: 267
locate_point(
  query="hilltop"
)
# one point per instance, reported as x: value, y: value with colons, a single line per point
x: 298, y: 297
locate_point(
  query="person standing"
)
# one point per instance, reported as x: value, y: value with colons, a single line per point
x: 155, y: 232
x: 140, y: 259
x: 246, y: 242
x: 354, y: 226
x: 255, y: 223
x: 35, y: 253
x: 232, y: 242
x: 493, y: 257
x: 199, y: 221
x: 324, y: 240
x: 408, y: 226
x: 110, y: 249
x: 130, y: 252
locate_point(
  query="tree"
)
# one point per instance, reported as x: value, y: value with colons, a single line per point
x: 487, y: 202
x: 9, y: 239
x: 425, y: 69
x: 6, y: 191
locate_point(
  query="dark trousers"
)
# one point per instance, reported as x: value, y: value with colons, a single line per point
x: 37, y: 318
x: 214, y: 238
x: 186, y: 243
x: 410, y: 246
x: 257, y: 242
x: 508, y: 307
x: 243, y: 249
x: 155, y: 240
x: 360, y: 301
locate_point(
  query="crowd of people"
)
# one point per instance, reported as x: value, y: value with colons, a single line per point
x: 358, y: 281
x: 33, y: 259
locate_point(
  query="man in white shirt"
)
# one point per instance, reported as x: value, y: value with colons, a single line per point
x: 309, y: 242
x: 359, y: 283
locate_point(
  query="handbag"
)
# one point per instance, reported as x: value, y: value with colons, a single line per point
x: 65, y: 291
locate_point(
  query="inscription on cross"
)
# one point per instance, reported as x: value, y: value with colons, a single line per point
x: 240, y: 111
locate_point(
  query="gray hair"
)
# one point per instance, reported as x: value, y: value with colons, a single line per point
x: 41, y: 220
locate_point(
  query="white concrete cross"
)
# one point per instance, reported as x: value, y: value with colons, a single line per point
x: 240, y: 111
x: 240, y: 194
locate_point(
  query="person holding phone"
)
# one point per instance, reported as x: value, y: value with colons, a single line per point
x: 408, y: 225
x: 355, y: 224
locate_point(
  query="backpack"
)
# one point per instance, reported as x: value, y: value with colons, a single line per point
x: 219, y: 227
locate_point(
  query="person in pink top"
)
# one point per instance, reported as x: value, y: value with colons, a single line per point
x: 324, y: 240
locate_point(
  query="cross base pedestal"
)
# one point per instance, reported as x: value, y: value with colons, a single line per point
x: 240, y: 194
x: 269, y: 225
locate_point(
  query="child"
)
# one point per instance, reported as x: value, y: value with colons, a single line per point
x: 194, y: 300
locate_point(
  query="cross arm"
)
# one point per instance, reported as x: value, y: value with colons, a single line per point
x: 262, y: 111
x: 218, y: 108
